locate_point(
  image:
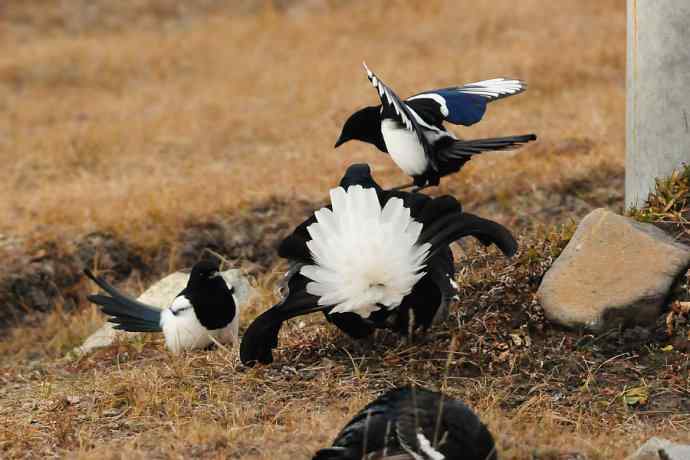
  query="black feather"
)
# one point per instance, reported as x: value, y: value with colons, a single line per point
x: 294, y: 246
x: 438, y: 207
x: 130, y: 314
x: 133, y: 326
x: 333, y: 453
x: 463, y: 149
x: 452, y: 227
x: 262, y: 335
x: 387, y: 428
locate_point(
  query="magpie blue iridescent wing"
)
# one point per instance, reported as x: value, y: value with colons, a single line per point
x: 402, y: 112
x: 463, y: 105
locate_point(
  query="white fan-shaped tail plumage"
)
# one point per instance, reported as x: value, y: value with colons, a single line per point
x: 365, y: 257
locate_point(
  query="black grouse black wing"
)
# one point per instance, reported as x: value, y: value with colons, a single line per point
x: 445, y: 222
x: 262, y: 334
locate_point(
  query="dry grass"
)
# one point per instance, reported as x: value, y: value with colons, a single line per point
x: 669, y: 205
x: 538, y: 388
x: 149, y: 117
x: 137, y: 129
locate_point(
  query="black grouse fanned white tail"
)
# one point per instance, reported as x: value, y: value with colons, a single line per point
x: 412, y: 424
x: 205, y: 311
x: 372, y: 259
x: 412, y: 130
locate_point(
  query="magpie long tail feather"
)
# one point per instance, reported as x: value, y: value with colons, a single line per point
x: 454, y: 226
x: 262, y: 335
x: 461, y: 149
x: 134, y: 326
x: 128, y: 314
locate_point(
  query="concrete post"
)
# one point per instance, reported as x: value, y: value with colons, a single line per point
x: 658, y: 93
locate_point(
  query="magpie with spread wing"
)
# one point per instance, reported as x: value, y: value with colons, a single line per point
x: 372, y: 259
x: 205, y: 310
x: 412, y: 424
x: 412, y: 131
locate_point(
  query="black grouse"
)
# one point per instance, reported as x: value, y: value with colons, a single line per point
x: 413, y: 424
x: 373, y: 259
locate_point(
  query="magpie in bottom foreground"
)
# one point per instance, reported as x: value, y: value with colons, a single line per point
x: 412, y: 131
x: 373, y: 259
x: 204, y: 311
x: 412, y: 424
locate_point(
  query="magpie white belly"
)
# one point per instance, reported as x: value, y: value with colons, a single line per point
x: 404, y: 147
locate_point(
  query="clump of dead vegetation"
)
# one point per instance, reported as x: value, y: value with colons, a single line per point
x: 668, y: 206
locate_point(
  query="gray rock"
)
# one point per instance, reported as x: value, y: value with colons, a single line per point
x: 161, y: 294
x: 661, y: 449
x: 613, y: 271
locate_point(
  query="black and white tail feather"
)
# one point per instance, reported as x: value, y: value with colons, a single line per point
x: 371, y: 260
x: 125, y: 312
x: 461, y: 149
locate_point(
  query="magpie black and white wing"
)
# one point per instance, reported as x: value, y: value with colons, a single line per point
x: 394, y: 106
x: 462, y: 105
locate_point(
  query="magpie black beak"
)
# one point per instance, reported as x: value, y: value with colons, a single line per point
x: 341, y: 140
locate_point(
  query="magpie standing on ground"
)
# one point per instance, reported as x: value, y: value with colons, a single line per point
x: 372, y: 259
x: 413, y: 424
x: 204, y: 311
x: 412, y: 131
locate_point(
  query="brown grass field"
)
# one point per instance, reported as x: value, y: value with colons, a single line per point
x: 168, y: 125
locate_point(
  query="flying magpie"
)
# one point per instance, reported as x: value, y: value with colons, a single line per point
x: 204, y: 311
x: 412, y: 424
x: 372, y: 259
x: 412, y: 131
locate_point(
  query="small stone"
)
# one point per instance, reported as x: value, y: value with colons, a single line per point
x: 661, y: 449
x: 614, y: 271
x: 161, y: 294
